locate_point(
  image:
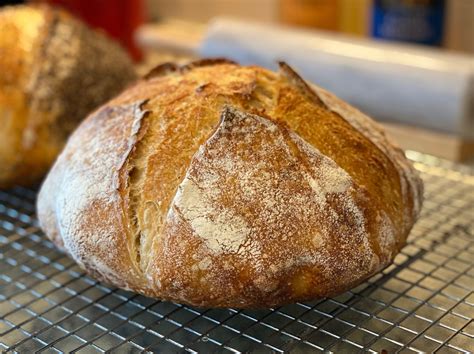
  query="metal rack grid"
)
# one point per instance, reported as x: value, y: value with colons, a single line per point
x: 423, y: 302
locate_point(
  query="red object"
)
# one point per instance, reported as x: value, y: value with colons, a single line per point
x: 119, y: 18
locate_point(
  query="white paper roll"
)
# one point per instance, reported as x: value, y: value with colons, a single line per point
x: 391, y: 82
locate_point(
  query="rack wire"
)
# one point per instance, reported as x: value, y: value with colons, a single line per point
x: 423, y: 302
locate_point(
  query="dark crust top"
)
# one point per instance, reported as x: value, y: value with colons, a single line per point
x: 168, y: 68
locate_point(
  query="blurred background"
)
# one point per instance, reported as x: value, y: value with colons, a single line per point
x: 407, y: 63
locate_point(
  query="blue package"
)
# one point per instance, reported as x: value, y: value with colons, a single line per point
x: 419, y: 21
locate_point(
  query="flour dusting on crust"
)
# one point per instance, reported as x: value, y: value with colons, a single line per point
x: 90, y: 223
x: 257, y: 191
x: 220, y: 231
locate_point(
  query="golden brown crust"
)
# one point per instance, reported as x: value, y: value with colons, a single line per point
x: 56, y: 72
x: 223, y: 185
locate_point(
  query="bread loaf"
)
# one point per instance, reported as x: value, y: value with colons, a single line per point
x: 218, y: 185
x: 53, y: 72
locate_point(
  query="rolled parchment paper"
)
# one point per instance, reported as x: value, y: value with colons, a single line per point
x: 392, y: 82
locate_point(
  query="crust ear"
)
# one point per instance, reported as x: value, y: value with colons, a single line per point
x: 161, y: 70
x: 168, y: 68
x: 292, y: 76
x: 206, y: 62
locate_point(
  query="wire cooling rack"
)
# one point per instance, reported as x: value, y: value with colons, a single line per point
x: 423, y: 302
